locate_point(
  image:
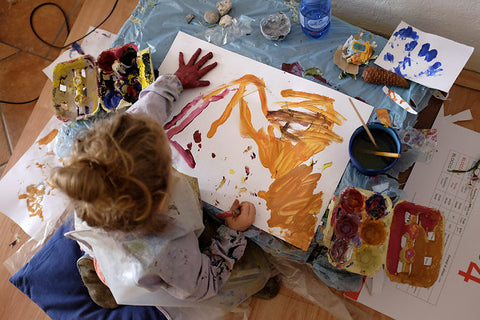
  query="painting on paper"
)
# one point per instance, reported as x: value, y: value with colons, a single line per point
x: 262, y: 135
x: 26, y: 194
x: 425, y: 58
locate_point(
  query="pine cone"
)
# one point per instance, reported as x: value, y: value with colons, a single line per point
x: 376, y: 75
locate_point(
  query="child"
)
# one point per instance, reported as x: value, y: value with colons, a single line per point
x: 139, y: 218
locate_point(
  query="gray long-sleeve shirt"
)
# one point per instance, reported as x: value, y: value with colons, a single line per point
x: 166, y: 268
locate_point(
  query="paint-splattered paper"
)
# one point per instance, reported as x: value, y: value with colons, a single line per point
x: 263, y: 135
x: 425, y: 58
x: 26, y: 194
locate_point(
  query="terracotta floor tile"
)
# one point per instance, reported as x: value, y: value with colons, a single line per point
x: 7, y: 50
x: 48, y: 22
x: 21, y: 77
x: 4, y: 148
x: 16, y: 116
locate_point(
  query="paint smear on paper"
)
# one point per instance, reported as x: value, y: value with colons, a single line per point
x: 34, y: 197
x: 48, y: 138
x: 304, y: 134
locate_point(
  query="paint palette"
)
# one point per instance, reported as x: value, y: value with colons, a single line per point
x: 364, y: 232
x: 82, y: 86
x: 75, y: 89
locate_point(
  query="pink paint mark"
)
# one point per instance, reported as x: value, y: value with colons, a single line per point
x: 186, y: 154
x: 171, y: 128
x: 188, y: 119
x: 182, y: 113
x: 189, y: 146
x: 197, y: 136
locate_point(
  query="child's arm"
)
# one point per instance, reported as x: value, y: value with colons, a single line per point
x: 157, y: 99
x: 188, y: 274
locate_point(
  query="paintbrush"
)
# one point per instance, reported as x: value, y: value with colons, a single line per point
x: 363, y: 124
x: 230, y: 213
x: 381, y: 153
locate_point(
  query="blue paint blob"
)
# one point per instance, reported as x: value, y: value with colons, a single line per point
x: 411, y: 45
x: 434, y: 69
x: 388, y: 57
x: 398, y: 70
x: 406, y: 62
x: 427, y: 53
x: 406, y: 33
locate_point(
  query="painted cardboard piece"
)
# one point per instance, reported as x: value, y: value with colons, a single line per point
x: 83, y: 85
x: 364, y: 232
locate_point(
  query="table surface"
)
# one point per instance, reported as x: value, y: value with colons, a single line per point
x: 92, y: 13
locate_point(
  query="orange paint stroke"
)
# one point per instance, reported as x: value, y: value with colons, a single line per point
x: 34, y: 196
x: 392, y: 95
x: 48, y: 138
x: 294, y: 212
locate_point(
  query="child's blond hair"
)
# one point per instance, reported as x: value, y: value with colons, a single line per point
x: 118, y: 173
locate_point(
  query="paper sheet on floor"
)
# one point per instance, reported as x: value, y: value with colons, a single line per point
x: 26, y: 194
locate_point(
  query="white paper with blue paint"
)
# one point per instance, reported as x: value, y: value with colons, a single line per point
x: 425, y: 58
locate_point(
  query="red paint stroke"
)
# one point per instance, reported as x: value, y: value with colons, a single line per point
x: 186, y: 154
x: 182, y: 113
x: 247, y: 170
x: 322, y: 79
x: 188, y: 119
x: 358, y: 98
x: 213, y: 155
x: 293, y: 68
x: 197, y: 136
x: 189, y: 146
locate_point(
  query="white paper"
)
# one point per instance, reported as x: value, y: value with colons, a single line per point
x: 425, y: 58
x: 96, y: 42
x: 451, y: 297
x: 465, y: 115
x: 26, y: 186
x: 226, y: 156
x: 398, y: 100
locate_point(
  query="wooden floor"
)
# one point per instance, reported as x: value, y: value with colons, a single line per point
x: 23, y: 56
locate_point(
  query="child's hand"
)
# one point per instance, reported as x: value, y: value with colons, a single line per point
x: 244, y: 220
x: 190, y: 74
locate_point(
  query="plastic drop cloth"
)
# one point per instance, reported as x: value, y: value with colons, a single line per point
x: 155, y: 23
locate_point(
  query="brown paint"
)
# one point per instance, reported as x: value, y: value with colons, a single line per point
x: 48, y: 138
x: 34, y: 198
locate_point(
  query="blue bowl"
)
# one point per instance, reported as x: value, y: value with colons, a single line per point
x: 387, y: 140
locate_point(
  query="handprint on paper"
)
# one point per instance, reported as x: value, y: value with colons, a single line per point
x: 410, y: 56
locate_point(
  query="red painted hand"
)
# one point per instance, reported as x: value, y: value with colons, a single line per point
x: 190, y: 74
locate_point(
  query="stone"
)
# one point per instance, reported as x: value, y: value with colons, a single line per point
x: 225, y: 21
x: 189, y: 17
x: 211, y: 16
x: 224, y: 7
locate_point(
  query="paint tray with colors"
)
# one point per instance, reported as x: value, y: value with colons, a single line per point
x: 357, y: 230
x: 83, y: 86
x: 364, y: 232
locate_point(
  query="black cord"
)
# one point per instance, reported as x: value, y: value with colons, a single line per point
x: 64, y: 18
x: 68, y: 32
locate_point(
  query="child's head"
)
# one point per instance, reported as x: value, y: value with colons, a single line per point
x: 118, y: 173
